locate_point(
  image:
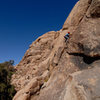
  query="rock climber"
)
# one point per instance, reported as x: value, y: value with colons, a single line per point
x: 67, y: 36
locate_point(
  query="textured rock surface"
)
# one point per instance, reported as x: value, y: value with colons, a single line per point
x: 83, y: 85
x: 77, y: 14
x: 86, y: 38
x: 52, y: 69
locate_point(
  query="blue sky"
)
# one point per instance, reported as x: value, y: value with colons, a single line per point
x: 22, y: 21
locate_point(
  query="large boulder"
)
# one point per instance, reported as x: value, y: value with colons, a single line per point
x: 83, y: 85
x: 53, y: 69
x: 86, y: 38
x: 77, y: 14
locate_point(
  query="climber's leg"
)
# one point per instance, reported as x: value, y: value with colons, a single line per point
x: 66, y: 38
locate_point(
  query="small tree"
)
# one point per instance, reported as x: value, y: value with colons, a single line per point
x: 7, y: 91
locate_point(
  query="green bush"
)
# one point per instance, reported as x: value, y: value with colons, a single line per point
x: 7, y: 91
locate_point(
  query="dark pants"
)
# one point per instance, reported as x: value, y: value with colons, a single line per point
x: 66, y: 38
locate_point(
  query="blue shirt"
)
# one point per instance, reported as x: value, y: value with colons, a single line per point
x: 67, y: 35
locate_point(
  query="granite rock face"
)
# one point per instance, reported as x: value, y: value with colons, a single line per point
x: 77, y: 14
x: 86, y: 38
x: 53, y: 69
